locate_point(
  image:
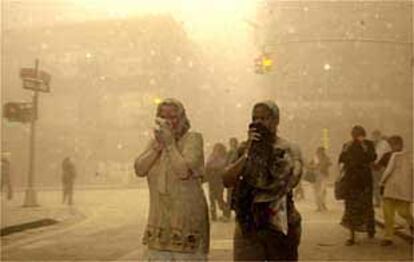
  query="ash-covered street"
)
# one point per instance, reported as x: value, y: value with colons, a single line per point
x: 113, y: 220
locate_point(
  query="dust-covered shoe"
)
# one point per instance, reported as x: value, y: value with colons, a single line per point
x: 386, y: 242
x: 350, y: 242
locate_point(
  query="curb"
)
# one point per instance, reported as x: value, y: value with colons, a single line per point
x: 84, y: 187
x: 26, y: 226
x: 42, y: 220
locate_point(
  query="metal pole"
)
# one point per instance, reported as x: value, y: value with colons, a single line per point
x: 30, y: 199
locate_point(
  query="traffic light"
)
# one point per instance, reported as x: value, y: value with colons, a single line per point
x: 18, y: 112
x: 267, y: 63
x: 263, y: 64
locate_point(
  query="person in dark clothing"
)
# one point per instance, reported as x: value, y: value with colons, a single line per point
x: 268, y: 168
x: 382, y: 146
x: 68, y: 179
x: 215, y: 166
x: 356, y: 157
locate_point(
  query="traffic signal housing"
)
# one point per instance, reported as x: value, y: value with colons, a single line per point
x: 18, y: 112
x: 263, y: 64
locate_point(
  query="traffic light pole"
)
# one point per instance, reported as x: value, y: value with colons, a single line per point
x: 30, y: 199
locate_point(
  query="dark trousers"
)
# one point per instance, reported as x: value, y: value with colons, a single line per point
x: 267, y: 245
x: 227, y: 211
x: 216, y: 199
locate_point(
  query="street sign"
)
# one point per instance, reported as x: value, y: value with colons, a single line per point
x: 36, y: 81
x: 19, y: 112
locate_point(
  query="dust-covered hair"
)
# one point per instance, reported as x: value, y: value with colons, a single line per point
x: 183, y: 122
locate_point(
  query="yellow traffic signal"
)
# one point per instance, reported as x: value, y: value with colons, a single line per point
x: 267, y: 63
x: 263, y: 64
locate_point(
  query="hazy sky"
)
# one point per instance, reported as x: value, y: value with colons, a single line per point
x: 201, y: 18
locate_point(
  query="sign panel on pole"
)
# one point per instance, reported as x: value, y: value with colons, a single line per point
x: 36, y: 81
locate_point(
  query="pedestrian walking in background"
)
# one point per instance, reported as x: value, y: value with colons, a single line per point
x: 356, y: 158
x: 232, y: 154
x: 68, y: 180
x: 214, y: 170
x: 299, y: 192
x: 6, y: 177
x: 267, y: 222
x: 232, y: 157
x: 381, y: 147
x: 320, y: 167
x: 173, y: 162
x: 397, y: 188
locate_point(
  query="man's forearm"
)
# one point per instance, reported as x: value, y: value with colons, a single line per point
x: 233, y: 171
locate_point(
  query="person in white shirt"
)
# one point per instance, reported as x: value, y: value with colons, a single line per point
x: 381, y: 147
x: 396, y: 187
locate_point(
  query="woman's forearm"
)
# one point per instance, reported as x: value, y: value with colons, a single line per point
x: 145, y: 161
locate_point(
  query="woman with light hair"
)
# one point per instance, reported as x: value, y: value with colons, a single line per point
x: 178, y: 225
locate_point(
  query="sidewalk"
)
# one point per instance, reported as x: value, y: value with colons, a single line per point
x: 14, y: 214
x: 50, y: 207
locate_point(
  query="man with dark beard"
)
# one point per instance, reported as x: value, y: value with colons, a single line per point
x: 268, y: 225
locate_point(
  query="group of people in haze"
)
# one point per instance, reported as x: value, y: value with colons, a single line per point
x: 376, y: 171
x: 261, y: 173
